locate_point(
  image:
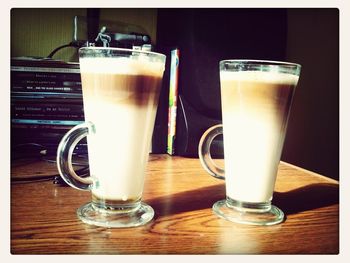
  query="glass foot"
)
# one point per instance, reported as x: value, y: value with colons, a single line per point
x: 113, y: 218
x: 262, y: 214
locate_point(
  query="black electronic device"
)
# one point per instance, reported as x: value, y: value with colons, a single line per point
x: 105, y: 37
x: 122, y: 40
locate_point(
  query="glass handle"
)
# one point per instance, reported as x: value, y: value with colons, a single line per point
x: 204, y: 152
x: 64, y: 157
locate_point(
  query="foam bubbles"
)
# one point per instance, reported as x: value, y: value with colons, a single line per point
x: 260, y: 76
x: 121, y: 65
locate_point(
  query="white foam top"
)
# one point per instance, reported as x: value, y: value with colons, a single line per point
x: 121, y: 65
x: 259, y: 76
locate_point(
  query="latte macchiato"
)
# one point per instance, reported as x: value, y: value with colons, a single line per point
x: 120, y: 100
x: 120, y: 94
x: 256, y: 97
x: 255, y: 106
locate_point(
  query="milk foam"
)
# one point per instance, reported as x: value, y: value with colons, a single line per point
x: 121, y: 65
x: 260, y: 76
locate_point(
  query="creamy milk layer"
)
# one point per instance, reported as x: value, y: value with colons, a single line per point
x: 118, y: 150
x: 120, y: 99
x: 255, y: 113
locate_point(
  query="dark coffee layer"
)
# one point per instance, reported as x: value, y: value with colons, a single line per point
x: 120, y: 88
x: 260, y: 97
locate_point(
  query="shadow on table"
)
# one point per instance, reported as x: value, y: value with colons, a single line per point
x: 307, y: 198
x: 192, y: 200
x: 301, y: 199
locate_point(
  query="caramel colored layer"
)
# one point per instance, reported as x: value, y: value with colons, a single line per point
x: 120, y: 88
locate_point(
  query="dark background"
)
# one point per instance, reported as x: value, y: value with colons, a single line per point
x: 309, y: 37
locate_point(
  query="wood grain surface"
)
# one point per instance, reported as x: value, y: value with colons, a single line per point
x: 44, y: 221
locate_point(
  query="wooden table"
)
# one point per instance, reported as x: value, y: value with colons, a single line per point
x: 44, y: 221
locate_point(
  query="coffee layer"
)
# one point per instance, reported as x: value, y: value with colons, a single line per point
x: 119, y: 88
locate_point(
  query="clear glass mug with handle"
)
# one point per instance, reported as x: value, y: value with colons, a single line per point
x: 120, y: 95
x: 256, y: 98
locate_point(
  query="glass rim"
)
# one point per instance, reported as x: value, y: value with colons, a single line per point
x: 261, y: 62
x: 123, y: 50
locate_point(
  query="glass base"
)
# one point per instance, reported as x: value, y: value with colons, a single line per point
x: 262, y: 214
x: 116, y: 218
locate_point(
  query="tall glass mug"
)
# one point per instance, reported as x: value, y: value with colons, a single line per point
x: 120, y: 93
x: 256, y: 97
